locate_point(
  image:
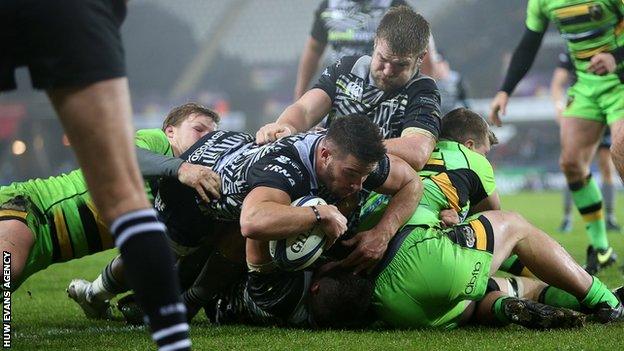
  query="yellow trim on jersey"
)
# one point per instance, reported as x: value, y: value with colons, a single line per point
x: 13, y: 213
x: 444, y: 183
x: 437, y: 162
x: 63, y: 235
x: 574, y: 10
x: 480, y: 234
x: 106, y: 238
x: 585, y: 54
x: 619, y: 28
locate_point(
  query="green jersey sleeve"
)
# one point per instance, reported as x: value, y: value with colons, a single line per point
x: 154, y: 140
x: 536, y: 19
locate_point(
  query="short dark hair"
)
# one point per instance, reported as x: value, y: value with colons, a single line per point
x: 180, y: 113
x: 343, y: 300
x: 357, y: 135
x: 406, y: 31
x: 462, y: 124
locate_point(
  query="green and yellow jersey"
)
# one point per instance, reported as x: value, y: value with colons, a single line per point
x: 589, y: 27
x: 454, y: 178
x: 60, y: 213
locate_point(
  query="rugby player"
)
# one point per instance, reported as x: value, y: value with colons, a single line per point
x: 260, y: 182
x: 58, y: 212
x: 411, y: 286
x: 348, y: 27
x: 306, y: 298
x: 594, y: 34
x: 74, y: 52
x: 387, y: 87
x: 563, y: 75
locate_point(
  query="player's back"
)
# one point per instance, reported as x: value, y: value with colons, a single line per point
x: 454, y: 177
x: 46, y: 192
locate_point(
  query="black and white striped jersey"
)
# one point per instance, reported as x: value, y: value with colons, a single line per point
x: 352, y: 90
x: 287, y: 164
x: 349, y: 26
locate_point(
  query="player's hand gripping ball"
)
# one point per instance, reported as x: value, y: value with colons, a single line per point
x: 299, y: 251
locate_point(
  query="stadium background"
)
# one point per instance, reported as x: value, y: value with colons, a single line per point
x: 240, y: 57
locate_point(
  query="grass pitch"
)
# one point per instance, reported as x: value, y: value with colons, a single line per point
x: 45, y: 319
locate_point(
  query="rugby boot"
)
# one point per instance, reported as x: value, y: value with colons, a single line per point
x: 133, y: 314
x: 599, y: 259
x: 79, y: 291
x: 603, y: 313
x: 535, y: 315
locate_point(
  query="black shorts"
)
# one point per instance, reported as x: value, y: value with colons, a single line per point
x: 64, y: 43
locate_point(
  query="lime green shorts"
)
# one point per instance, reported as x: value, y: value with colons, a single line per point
x: 596, y: 98
x: 65, y: 230
x: 434, y: 274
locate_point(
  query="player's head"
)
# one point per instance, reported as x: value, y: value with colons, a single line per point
x: 340, y: 299
x: 351, y: 150
x: 187, y: 123
x: 400, y: 46
x: 468, y: 128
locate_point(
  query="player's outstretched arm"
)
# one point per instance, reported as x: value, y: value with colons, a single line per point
x: 266, y: 214
x: 414, y: 147
x: 406, y: 188
x: 301, y: 116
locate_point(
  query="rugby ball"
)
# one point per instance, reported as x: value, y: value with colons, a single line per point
x: 299, y: 251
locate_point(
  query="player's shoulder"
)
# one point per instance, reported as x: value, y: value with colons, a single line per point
x: 151, y: 133
x: 421, y: 82
x: 477, y: 162
x: 358, y: 65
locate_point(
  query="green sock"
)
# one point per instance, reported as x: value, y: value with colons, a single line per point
x: 559, y: 298
x: 588, y: 199
x: 598, y: 293
x: 497, y: 310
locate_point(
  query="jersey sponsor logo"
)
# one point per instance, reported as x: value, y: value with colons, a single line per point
x: 473, y: 278
x: 283, y: 159
x: 277, y: 169
x: 355, y: 90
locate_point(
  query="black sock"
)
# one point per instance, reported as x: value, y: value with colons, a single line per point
x: 111, y: 284
x: 148, y: 267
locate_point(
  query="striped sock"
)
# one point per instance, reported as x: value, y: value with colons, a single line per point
x: 588, y: 200
x: 149, y: 269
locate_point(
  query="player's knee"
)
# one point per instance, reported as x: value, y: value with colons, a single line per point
x: 571, y: 167
x: 514, y: 220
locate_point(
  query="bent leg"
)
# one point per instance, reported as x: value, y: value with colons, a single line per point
x: 17, y: 239
x: 579, y: 140
x: 97, y: 119
x: 550, y: 263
